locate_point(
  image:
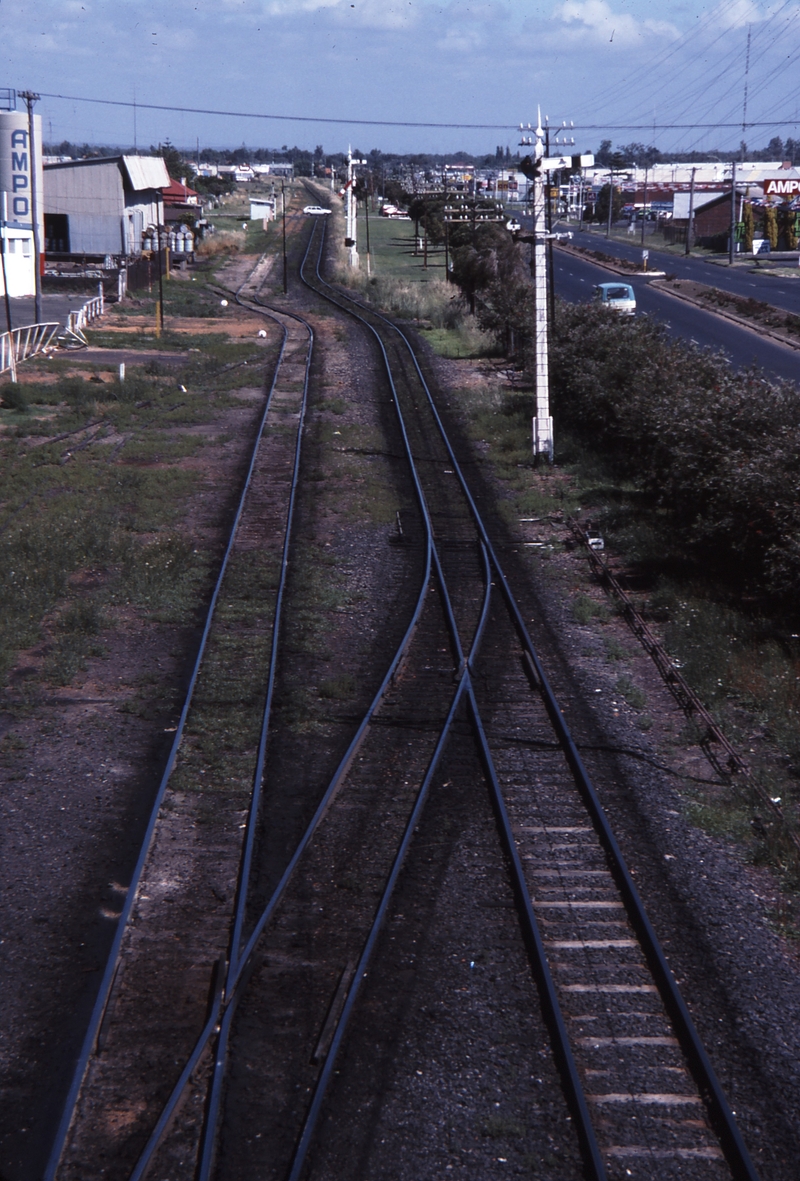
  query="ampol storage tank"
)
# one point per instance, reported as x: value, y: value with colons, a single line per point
x: 17, y: 165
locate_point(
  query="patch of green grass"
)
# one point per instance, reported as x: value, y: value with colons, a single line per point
x: 615, y: 650
x: 163, y: 577
x: 160, y: 447
x: 462, y: 341
x: 14, y: 397
x: 338, y: 688
x: 635, y: 697
x: 11, y: 744
x: 585, y: 610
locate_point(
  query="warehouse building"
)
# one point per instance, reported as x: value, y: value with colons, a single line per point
x: 103, y: 206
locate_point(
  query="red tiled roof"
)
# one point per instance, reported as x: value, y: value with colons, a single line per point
x: 177, y: 194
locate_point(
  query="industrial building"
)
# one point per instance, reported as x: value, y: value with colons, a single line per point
x: 103, y: 206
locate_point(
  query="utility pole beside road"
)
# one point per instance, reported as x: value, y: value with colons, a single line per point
x: 732, y: 241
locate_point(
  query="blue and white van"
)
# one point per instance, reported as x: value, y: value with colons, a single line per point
x: 618, y: 296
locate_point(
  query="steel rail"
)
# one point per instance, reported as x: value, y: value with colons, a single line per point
x: 243, y: 876
x: 720, y: 1113
x: 239, y: 971
x: 575, y: 1094
x: 255, y: 799
x: 464, y: 685
x: 106, y: 984
x: 554, y: 1018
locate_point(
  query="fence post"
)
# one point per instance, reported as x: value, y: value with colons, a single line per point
x: 102, y: 296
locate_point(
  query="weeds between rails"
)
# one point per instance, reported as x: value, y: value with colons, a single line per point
x: 234, y: 577
x: 465, y: 690
x: 720, y: 1113
x: 353, y: 983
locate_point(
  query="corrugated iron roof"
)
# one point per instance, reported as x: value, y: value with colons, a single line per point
x: 146, y: 172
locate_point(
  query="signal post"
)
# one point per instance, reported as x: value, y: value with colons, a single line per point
x: 543, y: 421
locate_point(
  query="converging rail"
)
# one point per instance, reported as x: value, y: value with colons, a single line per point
x: 298, y: 968
x: 597, y: 859
x: 67, y: 1155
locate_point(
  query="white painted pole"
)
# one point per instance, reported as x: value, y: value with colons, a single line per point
x: 350, y: 221
x: 542, y: 423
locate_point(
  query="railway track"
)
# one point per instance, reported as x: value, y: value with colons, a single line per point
x: 127, y: 1051
x: 304, y: 1060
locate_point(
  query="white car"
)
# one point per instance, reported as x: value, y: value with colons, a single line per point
x: 315, y: 211
x: 620, y: 297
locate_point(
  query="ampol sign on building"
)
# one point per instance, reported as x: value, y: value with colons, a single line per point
x: 16, y: 217
x: 785, y: 187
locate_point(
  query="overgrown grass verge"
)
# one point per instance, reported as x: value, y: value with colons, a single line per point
x: 724, y: 452
x: 96, y: 477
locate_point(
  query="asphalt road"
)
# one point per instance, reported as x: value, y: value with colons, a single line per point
x: 739, y: 280
x: 575, y: 278
x: 55, y: 309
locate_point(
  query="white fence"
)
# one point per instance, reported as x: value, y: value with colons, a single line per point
x: 77, y: 321
x: 22, y: 343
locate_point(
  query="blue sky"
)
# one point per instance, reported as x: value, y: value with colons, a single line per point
x: 601, y: 63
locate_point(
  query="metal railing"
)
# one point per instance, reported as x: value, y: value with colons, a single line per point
x: 16, y: 346
x: 82, y: 318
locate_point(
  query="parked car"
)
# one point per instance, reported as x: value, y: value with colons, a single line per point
x: 315, y: 211
x: 620, y: 297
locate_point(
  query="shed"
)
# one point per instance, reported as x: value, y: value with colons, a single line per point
x: 262, y: 209
x: 680, y: 206
x: 102, y: 206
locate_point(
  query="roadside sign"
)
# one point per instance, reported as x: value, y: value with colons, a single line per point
x: 778, y: 186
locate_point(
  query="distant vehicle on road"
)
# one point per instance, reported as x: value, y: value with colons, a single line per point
x: 394, y: 213
x: 315, y: 211
x: 619, y: 297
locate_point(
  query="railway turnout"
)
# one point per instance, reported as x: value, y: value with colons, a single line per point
x: 277, y: 1061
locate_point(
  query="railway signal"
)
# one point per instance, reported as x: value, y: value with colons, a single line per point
x: 351, y: 210
x: 543, y: 422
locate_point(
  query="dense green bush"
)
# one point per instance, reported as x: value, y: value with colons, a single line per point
x: 717, y: 450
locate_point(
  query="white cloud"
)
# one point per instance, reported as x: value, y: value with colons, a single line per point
x: 594, y: 20
x: 735, y: 14
x: 369, y: 14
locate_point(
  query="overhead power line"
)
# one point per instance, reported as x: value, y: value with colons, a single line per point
x: 112, y: 102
